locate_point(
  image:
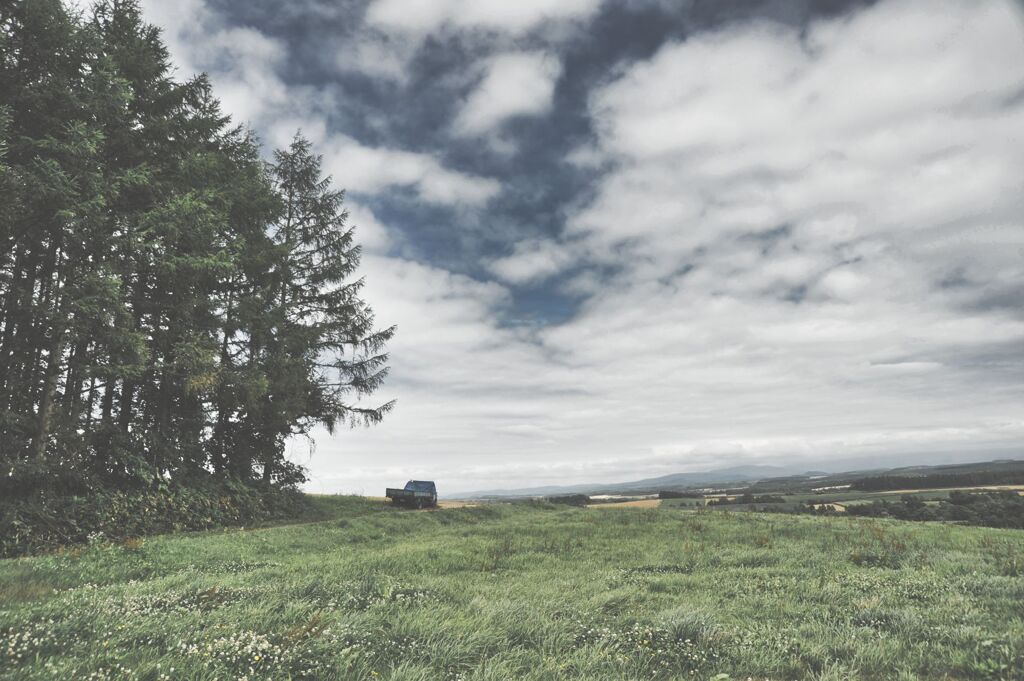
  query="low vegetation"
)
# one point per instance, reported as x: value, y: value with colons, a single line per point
x: 1004, y: 474
x: 748, y: 499
x: 526, y: 591
x: 47, y: 522
x: 992, y: 509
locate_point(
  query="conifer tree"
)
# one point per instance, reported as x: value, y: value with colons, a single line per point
x: 321, y: 349
x: 171, y: 307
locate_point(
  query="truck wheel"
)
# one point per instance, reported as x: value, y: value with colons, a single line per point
x: 419, y: 504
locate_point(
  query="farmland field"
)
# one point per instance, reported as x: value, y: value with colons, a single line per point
x: 526, y: 591
x: 794, y: 500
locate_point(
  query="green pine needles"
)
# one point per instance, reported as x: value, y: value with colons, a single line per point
x: 172, y: 307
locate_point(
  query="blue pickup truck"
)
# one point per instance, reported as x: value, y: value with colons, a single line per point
x: 416, y: 494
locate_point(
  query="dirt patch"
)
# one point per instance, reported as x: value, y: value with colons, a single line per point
x: 642, y: 503
x: 455, y: 503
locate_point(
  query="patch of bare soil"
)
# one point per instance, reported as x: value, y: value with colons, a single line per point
x: 455, y: 503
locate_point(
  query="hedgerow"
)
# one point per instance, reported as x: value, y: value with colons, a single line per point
x: 46, y: 522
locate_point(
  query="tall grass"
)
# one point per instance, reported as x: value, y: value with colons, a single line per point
x: 525, y: 592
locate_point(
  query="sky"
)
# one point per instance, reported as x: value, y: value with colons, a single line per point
x: 627, y: 239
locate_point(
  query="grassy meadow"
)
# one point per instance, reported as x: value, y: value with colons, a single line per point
x: 525, y: 591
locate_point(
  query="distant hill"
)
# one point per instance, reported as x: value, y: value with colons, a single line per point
x: 759, y: 478
x: 673, y: 481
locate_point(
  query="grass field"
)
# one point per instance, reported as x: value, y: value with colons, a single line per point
x: 843, y: 497
x: 526, y: 592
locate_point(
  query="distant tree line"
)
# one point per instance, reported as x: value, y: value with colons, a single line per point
x: 991, y: 509
x: 172, y: 308
x: 939, y: 480
x: 747, y: 499
x: 569, y: 499
x: 672, y: 494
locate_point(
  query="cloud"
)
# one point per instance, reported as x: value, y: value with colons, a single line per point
x: 814, y: 237
x: 371, y: 170
x: 531, y: 261
x: 514, y: 84
x: 790, y: 244
x: 847, y: 133
x: 374, y: 237
x: 243, y: 62
x: 377, y: 54
x: 427, y: 16
x: 245, y: 66
x: 395, y: 31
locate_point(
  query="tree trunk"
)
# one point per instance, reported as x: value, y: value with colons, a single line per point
x: 51, y: 374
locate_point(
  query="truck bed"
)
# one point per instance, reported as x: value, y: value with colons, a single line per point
x: 395, y: 492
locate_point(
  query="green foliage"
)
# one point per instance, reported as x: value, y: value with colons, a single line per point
x: 532, y: 592
x: 41, y: 523
x: 1010, y: 473
x: 171, y: 306
x: 992, y: 509
x: 748, y: 499
x: 569, y: 499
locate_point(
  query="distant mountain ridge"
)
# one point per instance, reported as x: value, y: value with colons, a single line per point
x: 721, y: 475
x: 743, y: 474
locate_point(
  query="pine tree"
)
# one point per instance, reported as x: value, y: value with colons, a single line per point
x: 171, y: 307
x: 321, y: 348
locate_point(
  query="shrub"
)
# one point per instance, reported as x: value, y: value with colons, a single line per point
x: 672, y: 494
x: 570, y: 499
x: 47, y: 522
x: 992, y: 509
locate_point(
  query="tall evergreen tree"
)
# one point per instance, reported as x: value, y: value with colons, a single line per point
x: 171, y: 307
x: 321, y: 349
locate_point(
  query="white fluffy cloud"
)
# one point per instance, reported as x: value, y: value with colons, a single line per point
x: 245, y: 65
x: 532, y: 261
x: 855, y: 123
x: 371, y: 170
x: 371, y: 234
x: 427, y: 16
x: 513, y: 84
x: 394, y: 31
x: 242, y: 61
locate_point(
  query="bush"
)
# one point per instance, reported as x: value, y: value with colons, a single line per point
x: 48, y: 522
x: 570, y: 499
x: 992, y: 509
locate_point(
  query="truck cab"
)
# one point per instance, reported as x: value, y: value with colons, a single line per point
x: 415, y: 494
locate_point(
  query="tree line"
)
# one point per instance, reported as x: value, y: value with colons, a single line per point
x: 172, y: 307
x: 1007, y: 475
x: 990, y: 509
